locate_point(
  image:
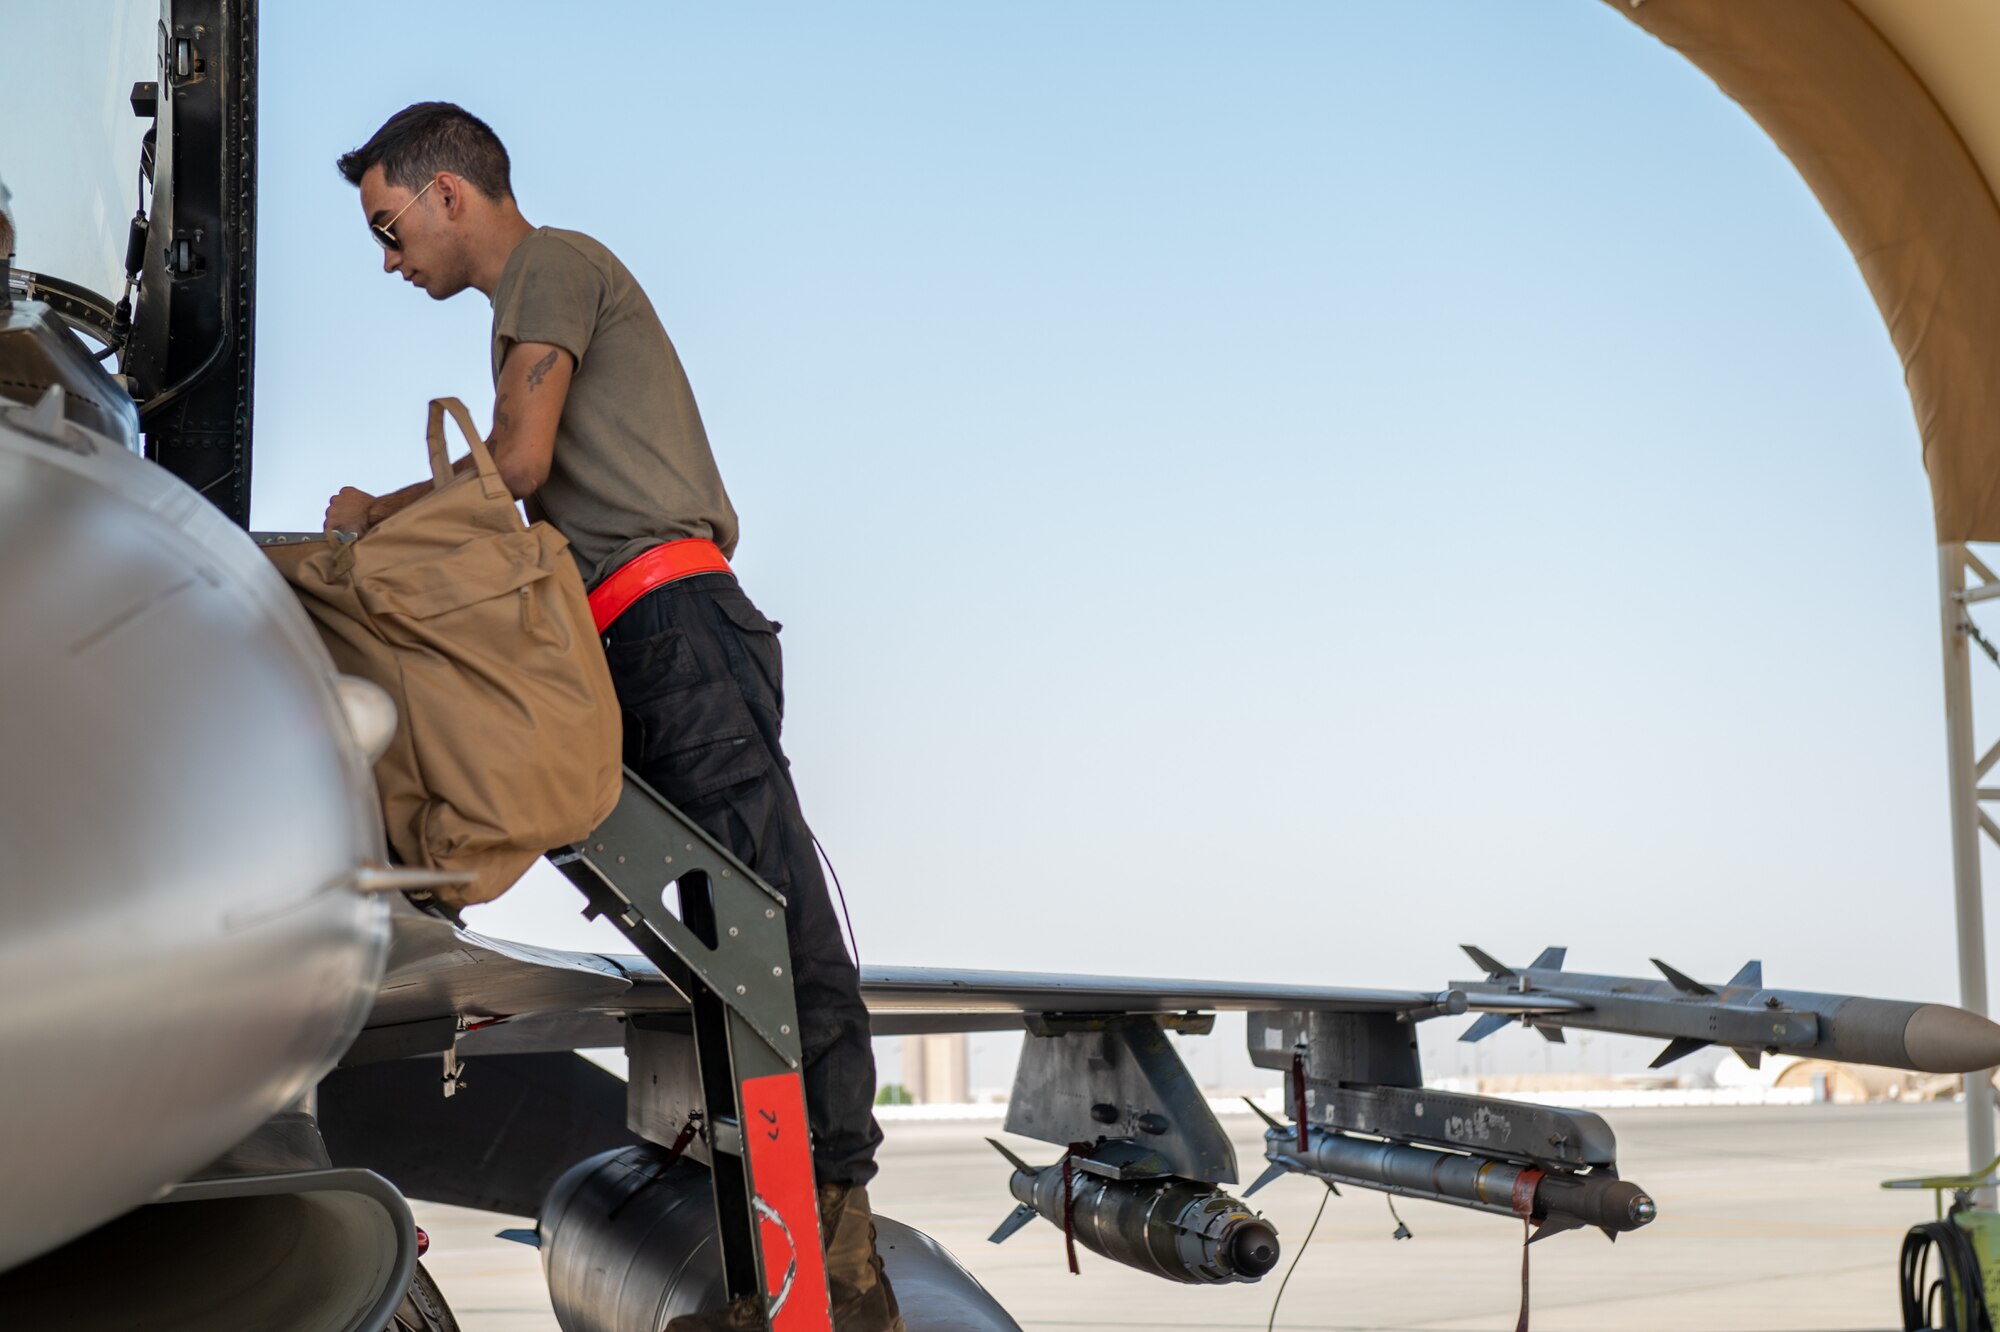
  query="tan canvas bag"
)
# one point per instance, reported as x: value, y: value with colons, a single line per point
x: 507, y: 730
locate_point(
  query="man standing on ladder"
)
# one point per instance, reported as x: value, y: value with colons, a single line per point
x: 595, y: 427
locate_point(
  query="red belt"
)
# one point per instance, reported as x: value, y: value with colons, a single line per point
x: 663, y: 564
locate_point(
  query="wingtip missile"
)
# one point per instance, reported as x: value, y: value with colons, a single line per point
x: 1742, y: 1015
x: 1680, y: 980
x: 1549, y: 959
x: 1678, y: 1048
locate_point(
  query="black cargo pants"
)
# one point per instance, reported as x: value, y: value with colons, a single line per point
x: 700, y: 682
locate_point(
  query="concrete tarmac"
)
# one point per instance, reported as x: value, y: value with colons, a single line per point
x: 1770, y: 1221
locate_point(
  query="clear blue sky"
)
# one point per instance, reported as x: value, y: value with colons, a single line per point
x: 1262, y: 493
x: 1252, y: 491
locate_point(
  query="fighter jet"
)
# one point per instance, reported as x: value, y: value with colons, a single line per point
x: 234, y: 1039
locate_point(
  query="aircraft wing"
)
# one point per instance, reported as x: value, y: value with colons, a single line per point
x: 909, y: 999
x: 498, y: 996
x: 447, y: 985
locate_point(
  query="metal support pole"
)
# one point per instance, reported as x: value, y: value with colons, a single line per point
x: 1962, y: 766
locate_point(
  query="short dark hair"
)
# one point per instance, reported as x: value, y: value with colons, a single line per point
x: 421, y: 140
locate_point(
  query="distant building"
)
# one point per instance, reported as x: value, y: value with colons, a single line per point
x: 935, y: 1069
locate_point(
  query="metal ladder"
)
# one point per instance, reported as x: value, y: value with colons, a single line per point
x: 721, y: 943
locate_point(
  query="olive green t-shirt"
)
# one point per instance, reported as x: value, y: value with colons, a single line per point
x: 632, y: 466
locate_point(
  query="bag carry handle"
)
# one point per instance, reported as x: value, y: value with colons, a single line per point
x: 489, y: 475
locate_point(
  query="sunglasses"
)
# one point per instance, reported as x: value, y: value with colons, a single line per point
x: 382, y: 231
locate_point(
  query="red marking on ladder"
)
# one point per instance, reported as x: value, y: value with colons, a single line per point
x: 776, y: 1143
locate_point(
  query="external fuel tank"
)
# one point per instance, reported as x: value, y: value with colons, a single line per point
x: 184, y: 943
x: 628, y: 1243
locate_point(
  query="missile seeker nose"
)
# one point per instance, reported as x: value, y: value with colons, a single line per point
x: 1943, y: 1039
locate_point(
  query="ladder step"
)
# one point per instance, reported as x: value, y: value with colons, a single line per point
x: 725, y: 948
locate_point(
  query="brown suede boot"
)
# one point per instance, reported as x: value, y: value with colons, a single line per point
x: 744, y: 1314
x: 862, y: 1299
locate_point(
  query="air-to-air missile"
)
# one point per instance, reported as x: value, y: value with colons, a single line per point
x: 1555, y: 1200
x: 1740, y: 1013
x: 1171, y: 1227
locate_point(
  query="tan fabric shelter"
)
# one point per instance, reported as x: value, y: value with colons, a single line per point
x: 1890, y: 110
x: 1859, y: 1084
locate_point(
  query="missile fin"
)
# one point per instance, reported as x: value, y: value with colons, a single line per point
x: 1750, y: 1055
x: 1553, y: 1035
x: 1271, y: 1172
x: 1012, y: 1159
x: 1270, y: 1120
x: 1550, y: 959
x: 1485, y: 962
x: 1751, y: 975
x: 1020, y: 1216
x: 528, y: 1237
x: 1678, y: 1048
x: 1683, y: 982
x: 1486, y: 1026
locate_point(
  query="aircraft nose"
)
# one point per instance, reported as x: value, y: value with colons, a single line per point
x: 1943, y: 1039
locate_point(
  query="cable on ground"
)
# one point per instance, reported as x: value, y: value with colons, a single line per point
x: 1959, y: 1289
x: 1279, y: 1298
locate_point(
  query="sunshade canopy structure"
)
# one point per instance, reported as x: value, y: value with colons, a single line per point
x: 1890, y: 110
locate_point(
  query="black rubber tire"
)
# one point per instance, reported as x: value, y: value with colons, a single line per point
x: 423, y: 1308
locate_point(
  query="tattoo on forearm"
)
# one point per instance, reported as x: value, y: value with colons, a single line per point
x: 540, y: 369
x: 501, y: 421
